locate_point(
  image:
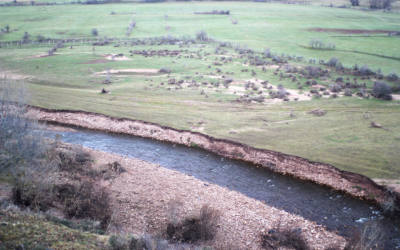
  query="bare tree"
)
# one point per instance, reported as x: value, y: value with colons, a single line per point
x: 21, y: 144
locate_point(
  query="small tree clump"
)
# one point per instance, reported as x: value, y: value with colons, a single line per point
x: 130, y: 28
x: 355, y: 2
x: 202, y: 36
x: 365, y: 71
x: 26, y: 37
x: 380, y: 4
x: 382, y: 91
x: 392, y: 77
x: 95, y: 32
x: 6, y: 29
x: 332, y: 62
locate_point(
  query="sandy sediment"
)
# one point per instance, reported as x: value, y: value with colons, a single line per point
x: 324, y: 174
x: 147, y: 196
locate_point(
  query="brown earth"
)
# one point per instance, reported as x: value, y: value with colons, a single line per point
x: 324, y: 174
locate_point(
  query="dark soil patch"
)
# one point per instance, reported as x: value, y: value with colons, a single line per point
x: 351, y: 31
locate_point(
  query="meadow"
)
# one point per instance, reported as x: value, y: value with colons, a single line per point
x: 221, y: 84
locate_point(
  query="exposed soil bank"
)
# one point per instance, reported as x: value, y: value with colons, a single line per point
x: 324, y: 174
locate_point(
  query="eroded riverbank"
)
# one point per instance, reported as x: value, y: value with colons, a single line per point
x: 324, y: 174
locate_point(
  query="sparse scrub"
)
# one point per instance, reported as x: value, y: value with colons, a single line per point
x: 73, y: 159
x: 369, y: 237
x: 107, y: 171
x: 194, y: 229
x: 126, y: 242
x: 284, y: 237
x: 20, y: 145
x: 318, y: 44
x: 85, y: 201
x: 33, y: 192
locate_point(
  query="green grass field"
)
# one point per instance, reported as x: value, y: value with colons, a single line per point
x: 343, y: 137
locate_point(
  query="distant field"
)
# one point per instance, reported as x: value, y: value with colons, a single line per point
x: 73, y: 77
x: 281, y: 27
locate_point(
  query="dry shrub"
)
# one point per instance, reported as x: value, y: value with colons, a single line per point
x: 165, y: 71
x: 318, y: 112
x: 29, y: 192
x: 287, y: 238
x: 73, y: 159
x: 84, y: 200
x: 196, y: 228
x: 107, y: 171
x: 369, y: 237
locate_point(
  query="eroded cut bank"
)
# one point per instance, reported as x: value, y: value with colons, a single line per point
x: 353, y: 184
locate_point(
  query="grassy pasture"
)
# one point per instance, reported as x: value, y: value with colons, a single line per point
x: 343, y: 137
x: 280, y: 27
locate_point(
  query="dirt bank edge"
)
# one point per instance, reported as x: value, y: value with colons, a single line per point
x: 356, y: 185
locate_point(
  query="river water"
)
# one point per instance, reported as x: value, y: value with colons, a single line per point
x: 336, y: 211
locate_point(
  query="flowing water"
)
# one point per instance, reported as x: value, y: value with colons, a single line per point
x: 335, y: 211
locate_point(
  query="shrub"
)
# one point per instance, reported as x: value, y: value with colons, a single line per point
x: 347, y: 92
x: 107, y: 171
x: 119, y: 242
x: 380, y: 4
x: 73, y: 159
x: 365, y: 71
x: 33, y: 193
x: 95, y: 32
x: 131, y: 26
x: 40, y: 38
x: 26, y: 37
x: 392, y: 77
x: 369, y: 237
x: 194, y: 229
x: 20, y: 145
x: 286, y: 238
x: 164, y: 71
x: 382, y: 90
x: 318, y: 44
x: 85, y: 201
x: 202, y: 36
x: 332, y: 62
x: 355, y: 2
